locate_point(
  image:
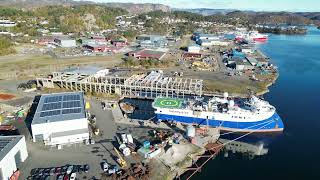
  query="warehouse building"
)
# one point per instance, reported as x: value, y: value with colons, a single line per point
x: 65, y: 42
x: 60, y: 119
x: 152, y: 41
x: 194, y: 48
x: 13, y: 151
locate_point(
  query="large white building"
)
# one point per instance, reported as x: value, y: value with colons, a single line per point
x: 7, y: 23
x: 65, y: 42
x: 13, y: 151
x: 194, y: 48
x: 60, y: 119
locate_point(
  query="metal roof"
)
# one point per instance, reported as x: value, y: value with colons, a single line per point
x: 59, y: 107
x: 7, y: 143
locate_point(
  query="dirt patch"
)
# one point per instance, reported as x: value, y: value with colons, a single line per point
x: 6, y: 97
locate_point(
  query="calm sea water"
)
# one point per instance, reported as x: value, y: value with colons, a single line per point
x: 296, y: 153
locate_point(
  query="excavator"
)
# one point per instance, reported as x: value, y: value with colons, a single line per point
x: 120, y: 160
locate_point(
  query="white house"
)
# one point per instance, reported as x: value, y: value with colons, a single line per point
x: 194, y: 48
x: 13, y: 151
x: 7, y: 23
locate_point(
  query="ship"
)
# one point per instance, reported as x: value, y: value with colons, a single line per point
x: 250, y: 114
x: 252, y: 36
x: 127, y: 107
x: 256, y: 36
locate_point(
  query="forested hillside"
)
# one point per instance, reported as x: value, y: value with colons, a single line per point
x: 62, y: 18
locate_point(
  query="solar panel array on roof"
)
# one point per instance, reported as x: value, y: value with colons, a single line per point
x: 53, y: 99
x: 65, y: 104
x: 51, y: 106
x: 71, y: 97
x: 71, y: 111
x: 71, y: 104
x: 50, y: 113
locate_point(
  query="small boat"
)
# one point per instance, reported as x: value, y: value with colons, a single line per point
x: 127, y: 107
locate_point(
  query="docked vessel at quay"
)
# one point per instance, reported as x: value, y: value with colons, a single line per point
x: 229, y: 114
x: 252, y: 36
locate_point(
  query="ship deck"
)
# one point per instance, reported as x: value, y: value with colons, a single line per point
x: 173, y: 103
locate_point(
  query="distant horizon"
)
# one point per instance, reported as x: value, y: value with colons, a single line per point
x: 241, y: 5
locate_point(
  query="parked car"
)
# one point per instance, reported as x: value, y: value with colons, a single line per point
x: 64, y: 169
x: 73, y: 176
x: 105, y: 166
x: 70, y: 168
x: 47, y: 171
x: 75, y: 168
x: 34, y: 171
x: 66, y: 177
x: 40, y: 172
x: 60, y: 177
x: 52, y: 171
x: 113, y: 169
x: 57, y: 170
x: 85, y: 168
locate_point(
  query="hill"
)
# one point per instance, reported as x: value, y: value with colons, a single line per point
x: 72, y: 18
x: 293, y: 18
x: 130, y: 7
x: 140, y: 8
x: 207, y: 11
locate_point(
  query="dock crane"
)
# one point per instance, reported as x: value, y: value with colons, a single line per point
x: 120, y: 160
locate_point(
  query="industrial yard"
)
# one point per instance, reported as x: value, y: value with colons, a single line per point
x: 92, y: 106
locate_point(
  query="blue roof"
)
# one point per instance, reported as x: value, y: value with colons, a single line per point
x: 238, y: 54
x: 196, y: 45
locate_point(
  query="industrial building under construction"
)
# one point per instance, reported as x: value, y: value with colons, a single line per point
x: 152, y: 84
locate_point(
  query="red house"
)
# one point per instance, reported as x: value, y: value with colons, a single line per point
x: 147, y: 54
x: 119, y: 43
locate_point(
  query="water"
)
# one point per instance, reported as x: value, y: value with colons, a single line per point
x: 295, y: 153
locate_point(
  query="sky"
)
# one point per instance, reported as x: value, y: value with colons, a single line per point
x: 257, y: 5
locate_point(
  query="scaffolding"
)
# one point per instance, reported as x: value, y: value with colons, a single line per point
x: 150, y: 85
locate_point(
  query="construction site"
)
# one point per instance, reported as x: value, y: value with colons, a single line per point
x: 144, y: 85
